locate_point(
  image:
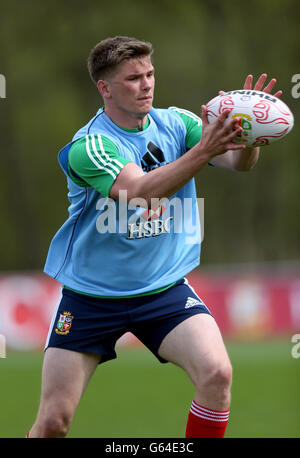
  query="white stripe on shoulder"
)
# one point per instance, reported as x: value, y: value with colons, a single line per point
x: 188, y: 113
x: 118, y: 163
x: 99, y: 166
x: 103, y: 160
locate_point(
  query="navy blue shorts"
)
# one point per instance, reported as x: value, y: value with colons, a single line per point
x: 93, y: 325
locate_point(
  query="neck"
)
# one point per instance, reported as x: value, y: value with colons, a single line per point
x: 127, y: 120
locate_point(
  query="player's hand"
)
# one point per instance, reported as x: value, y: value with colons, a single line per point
x: 217, y: 137
x: 259, y: 85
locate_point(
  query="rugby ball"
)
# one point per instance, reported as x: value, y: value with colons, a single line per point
x: 263, y: 117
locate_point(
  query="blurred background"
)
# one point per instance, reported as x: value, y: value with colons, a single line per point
x: 250, y: 265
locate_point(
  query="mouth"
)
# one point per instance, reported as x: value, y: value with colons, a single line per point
x: 145, y: 98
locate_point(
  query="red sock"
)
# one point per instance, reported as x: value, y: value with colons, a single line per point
x: 203, y: 422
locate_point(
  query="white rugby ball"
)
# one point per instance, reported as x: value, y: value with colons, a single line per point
x: 263, y: 117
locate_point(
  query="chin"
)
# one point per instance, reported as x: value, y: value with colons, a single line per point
x: 145, y: 108
x: 142, y: 114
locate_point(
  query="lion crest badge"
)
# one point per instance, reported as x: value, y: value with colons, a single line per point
x: 64, y: 323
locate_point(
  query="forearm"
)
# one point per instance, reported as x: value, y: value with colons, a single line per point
x: 241, y: 160
x: 166, y: 180
x: 163, y: 181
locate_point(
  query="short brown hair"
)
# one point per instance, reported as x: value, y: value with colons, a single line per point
x: 109, y: 53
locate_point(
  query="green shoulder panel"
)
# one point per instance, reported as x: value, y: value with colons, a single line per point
x: 94, y: 160
x: 193, y: 124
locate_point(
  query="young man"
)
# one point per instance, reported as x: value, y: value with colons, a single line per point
x: 120, y: 255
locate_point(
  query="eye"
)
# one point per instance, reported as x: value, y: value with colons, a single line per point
x: 131, y: 78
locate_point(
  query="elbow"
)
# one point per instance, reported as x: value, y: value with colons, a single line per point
x: 247, y: 159
x: 244, y: 167
x: 133, y: 195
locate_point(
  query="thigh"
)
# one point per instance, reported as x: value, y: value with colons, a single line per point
x: 65, y: 376
x: 158, y: 314
x: 196, y: 345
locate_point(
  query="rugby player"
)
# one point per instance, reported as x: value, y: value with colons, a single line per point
x: 124, y: 271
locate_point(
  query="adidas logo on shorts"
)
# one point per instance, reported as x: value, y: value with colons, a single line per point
x: 191, y: 302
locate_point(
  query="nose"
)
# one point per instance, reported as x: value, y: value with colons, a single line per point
x: 146, y: 83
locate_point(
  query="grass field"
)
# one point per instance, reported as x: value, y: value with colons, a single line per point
x: 136, y: 396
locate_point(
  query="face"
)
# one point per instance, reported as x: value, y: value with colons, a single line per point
x: 130, y: 91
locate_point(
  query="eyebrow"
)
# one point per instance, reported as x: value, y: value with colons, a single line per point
x: 139, y: 73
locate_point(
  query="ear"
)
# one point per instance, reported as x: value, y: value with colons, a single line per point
x: 104, y: 88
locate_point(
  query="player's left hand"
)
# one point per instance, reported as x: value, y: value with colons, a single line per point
x: 259, y: 85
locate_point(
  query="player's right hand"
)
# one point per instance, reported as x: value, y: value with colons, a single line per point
x: 217, y: 137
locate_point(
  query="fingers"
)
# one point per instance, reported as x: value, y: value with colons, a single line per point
x: 232, y: 132
x: 278, y: 94
x: 248, y: 82
x: 227, y: 140
x: 219, y: 135
x: 235, y: 146
x: 270, y: 86
x: 220, y: 119
x: 204, y: 114
x: 260, y: 84
x: 230, y: 125
x: 223, y: 116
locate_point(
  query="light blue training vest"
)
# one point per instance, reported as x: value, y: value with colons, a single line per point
x: 107, y: 249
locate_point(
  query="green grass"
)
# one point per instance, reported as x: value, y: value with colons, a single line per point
x: 136, y: 396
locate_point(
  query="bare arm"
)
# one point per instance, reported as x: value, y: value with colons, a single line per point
x: 168, y: 179
x: 239, y: 160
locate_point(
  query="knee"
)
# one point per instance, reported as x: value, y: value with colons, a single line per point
x: 219, y: 376
x: 56, y: 423
x: 216, y: 377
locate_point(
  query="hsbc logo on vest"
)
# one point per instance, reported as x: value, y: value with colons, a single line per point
x: 150, y: 224
x: 143, y: 222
